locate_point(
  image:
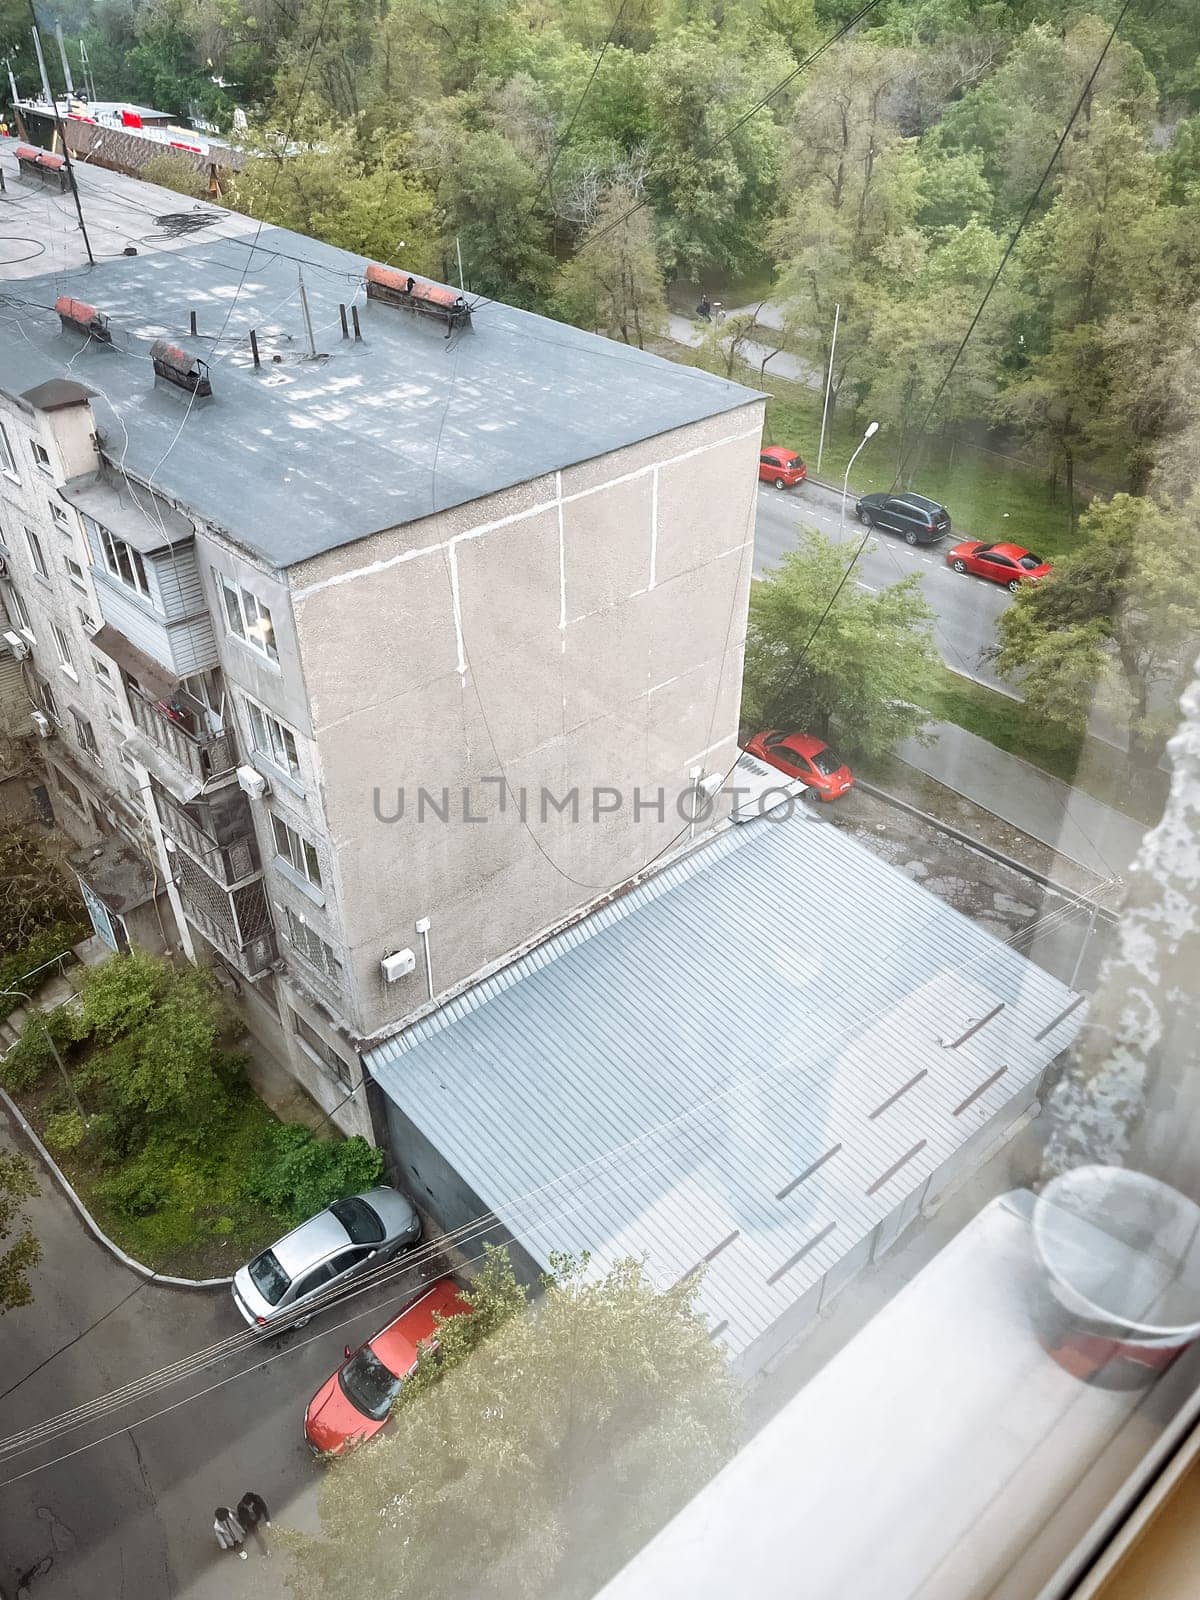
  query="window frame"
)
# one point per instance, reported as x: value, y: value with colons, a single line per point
x: 112, y: 547
x: 298, y: 852
x: 75, y: 576
x: 261, y: 722
x: 8, y: 459
x: 85, y: 735
x: 62, y: 649
x: 326, y: 1057
x: 61, y: 517
x: 20, y: 611
x: 41, y: 457
x: 247, y: 617
x: 301, y: 943
x: 37, y: 555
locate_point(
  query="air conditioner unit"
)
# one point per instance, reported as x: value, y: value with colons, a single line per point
x: 398, y: 965
x: 17, y: 645
x: 42, y: 725
x: 710, y: 784
x: 252, y: 782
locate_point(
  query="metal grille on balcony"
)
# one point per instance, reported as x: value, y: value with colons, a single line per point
x: 229, y: 862
x: 179, y: 730
x: 237, y: 921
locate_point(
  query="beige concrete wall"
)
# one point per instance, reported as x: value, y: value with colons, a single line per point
x: 583, y: 631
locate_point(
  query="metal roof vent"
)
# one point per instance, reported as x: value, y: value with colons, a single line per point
x: 82, y: 318
x: 423, y: 299
x: 177, y: 367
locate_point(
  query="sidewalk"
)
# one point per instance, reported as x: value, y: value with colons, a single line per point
x: 1071, y: 822
x: 685, y: 330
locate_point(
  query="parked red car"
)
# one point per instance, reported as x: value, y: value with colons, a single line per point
x: 782, y: 467
x: 802, y: 756
x: 1009, y: 564
x: 357, y: 1400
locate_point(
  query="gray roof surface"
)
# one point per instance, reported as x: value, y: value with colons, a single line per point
x: 303, y: 456
x: 727, y: 1063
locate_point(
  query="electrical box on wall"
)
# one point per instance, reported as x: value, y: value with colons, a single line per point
x: 17, y: 645
x: 398, y: 965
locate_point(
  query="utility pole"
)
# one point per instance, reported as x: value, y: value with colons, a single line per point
x: 62, y: 134
x: 85, y: 66
x: 458, y: 247
x: 837, y: 312
x: 308, y: 327
x: 62, y: 54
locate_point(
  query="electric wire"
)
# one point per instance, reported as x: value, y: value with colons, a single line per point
x: 471, y: 1231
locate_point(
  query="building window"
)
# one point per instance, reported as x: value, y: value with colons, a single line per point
x: 104, y: 675
x: 71, y: 791
x: 296, y: 851
x: 16, y: 607
x: 121, y: 560
x: 312, y: 1044
x: 62, y: 646
x: 271, y: 739
x: 41, y: 456
x: 44, y: 695
x: 62, y: 517
x: 8, y: 462
x: 312, y: 947
x: 36, y: 554
x: 85, y: 736
x: 248, y: 618
x: 75, y: 573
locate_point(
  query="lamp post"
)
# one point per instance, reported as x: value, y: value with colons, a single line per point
x: 872, y: 430
x: 58, y: 1061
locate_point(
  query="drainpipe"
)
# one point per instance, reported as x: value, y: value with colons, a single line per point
x: 423, y: 930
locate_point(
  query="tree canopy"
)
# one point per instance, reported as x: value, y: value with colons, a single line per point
x: 19, y: 1250
x: 541, y: 1444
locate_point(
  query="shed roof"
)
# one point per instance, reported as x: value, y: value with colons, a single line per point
x: 737, y: 1064
x: 302, y: 456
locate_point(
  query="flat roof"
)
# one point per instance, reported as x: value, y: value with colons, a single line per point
x: 734, y: 1066
x: 303, y: 456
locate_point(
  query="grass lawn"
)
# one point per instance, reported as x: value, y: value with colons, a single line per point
x: 201, y: 1225
x: 1089, y: 764
x: 988, y: 497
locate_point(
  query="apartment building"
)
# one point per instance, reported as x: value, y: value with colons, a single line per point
x: 373, y: 635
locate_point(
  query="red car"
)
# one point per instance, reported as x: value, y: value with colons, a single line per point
x: 801, y: 756
x: 356, y: 1402
x: 782, y: 467
x: 1002, y: 563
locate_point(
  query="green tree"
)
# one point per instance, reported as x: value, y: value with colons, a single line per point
x: 1118, y: 624
x: 615, y: 283
x: 862, y: 666
x: 540, y: 1448
x: 19, y: 1250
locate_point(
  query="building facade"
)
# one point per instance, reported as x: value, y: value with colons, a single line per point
x: 368, y: 739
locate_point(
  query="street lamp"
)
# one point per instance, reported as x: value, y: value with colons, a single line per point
x: 872, y: 430
x: 67, y: 1084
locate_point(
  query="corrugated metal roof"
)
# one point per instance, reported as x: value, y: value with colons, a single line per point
x: 741, y: 1060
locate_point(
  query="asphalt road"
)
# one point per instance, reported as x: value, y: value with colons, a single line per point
x: 966, y: 608
x: 131, y: 1517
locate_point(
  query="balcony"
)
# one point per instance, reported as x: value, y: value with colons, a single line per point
x: 179, y: 730
x: 236, y: 921
x: 219, y: 834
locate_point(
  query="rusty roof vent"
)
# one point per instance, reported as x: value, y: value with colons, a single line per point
x: 80, y: 317
x: 423, y: 299
x: 177, y: 367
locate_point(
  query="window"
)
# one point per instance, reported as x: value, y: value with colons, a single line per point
x: 16, y: 607
x: 296, y: 851
x: 41, y: 456
x: 104, y: 675
x: 271, y: 739
x: 312, y: 947
x: 121, y: 560
x: 85, y: 735
x: 75, y: 573
x: 86, y: 621
x: 71, y: 791
x: 248, y: 618
x: 313, y: 1045
x: 63, y: 647
x: 8, y: 462
x: 36, y: 554
x: 62, y: 517
x: 44, y: 695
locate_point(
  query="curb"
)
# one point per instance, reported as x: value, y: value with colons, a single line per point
x: 90, y: 1222
x: 1072, y: 895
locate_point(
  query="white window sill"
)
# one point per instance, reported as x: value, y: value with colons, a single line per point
x: 305, y: 885
x: 277, y: 774
x: 255, y: 654
x: 68, y: 672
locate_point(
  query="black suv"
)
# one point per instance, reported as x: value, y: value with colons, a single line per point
x: 921, y: 521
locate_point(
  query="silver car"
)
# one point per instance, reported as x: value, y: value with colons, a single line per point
x: 347, y: 1237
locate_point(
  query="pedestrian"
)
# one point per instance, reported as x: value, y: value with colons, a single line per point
x: 229, y: 1531
x: 254, y: 1517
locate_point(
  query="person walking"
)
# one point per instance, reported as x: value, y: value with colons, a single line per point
x: 229, y: 1531
x: 254, y: 1517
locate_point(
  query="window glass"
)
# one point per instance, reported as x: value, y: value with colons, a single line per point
x: 36, y: 554
x: 17, y: 609
x: 248, y: 618
x: 8, y: 462
x: 41, y: 455
x: 296, y: 850
x: 271, y: 739
x: 63, y: 647
x: 122, y: 560
x: 75, y: 573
